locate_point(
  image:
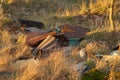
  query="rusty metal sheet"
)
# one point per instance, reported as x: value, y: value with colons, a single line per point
x: 74, y: 31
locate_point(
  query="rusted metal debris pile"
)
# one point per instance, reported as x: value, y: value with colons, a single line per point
x: 65, y: 35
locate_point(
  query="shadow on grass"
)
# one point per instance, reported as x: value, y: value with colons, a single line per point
x: 106, y: 36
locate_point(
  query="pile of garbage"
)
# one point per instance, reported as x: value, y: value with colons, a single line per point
x: 67, y: 36
x: 40, y: 39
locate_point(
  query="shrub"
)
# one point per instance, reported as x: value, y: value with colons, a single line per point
x: 94, y: 74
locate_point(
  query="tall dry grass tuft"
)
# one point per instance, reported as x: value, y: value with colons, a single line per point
x: 114, y: 68
x: 107, y: 68
x: 5, y: 38
x: 110, y: 65
x: 99, y: 6
x: 28, y: 72
x: 98, y: 48
x: 10, y: 50
x: 5, y: 56
x: 5, y: 47
x: 55, y: 67
x: 83, y: 8
x: 21, y: 47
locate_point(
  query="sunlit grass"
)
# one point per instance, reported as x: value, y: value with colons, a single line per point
x: 54, y: 13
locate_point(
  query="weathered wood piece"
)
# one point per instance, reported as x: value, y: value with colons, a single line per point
x: 36, y: 39
x: 44, y: 43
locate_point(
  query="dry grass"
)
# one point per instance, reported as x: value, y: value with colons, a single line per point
x: 56, y: 66
x: 54, y: 13
x: 52, y: 68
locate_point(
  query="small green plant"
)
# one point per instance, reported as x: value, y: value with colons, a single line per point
x: 90, y: 63
x: 94, y: 74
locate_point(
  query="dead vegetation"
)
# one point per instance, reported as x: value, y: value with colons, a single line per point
x: 58, y: 65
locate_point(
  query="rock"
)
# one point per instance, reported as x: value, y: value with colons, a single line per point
x: 83, y: 53
x: 67, y: 50
x: 34, y: 29
x: 99, y: 56
x: 117, y: 52
x: 86, y: 68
